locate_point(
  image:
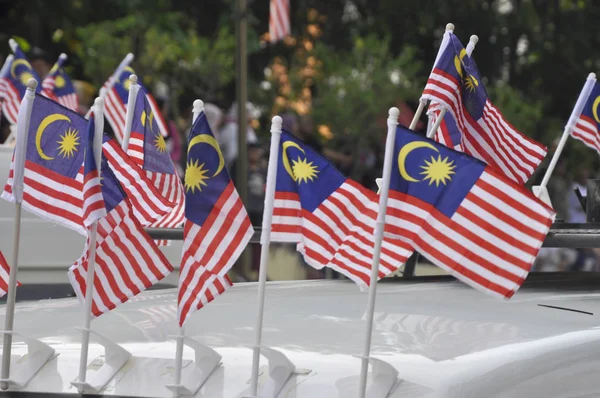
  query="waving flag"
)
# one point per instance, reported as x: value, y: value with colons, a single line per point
x: 329, y: 216
x: 59, y: 87
x: 448, y: 134
x: 115, y: 107
x: 587, y: 128
x: 53, y: 181
x: 4, y: 274
x: 217, y: 226
x: 455, y: 83
x: 127, y: 260
x: 93, y: 201
x: 463, y: 216
x: 14, y: 83
x: 279, y: 20
x: 148, y: 149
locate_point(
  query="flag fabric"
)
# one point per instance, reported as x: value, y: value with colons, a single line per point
x: 455, y: 83
x: 93, y: 201
x: 217, y: 226
x: 4, y: 274
x: 330, y: 217
x: 58, y: 86
x: 53, y: 178
x: 587, y: 128
x: 279, y: 20
x: 448, y: 133
x: 127, y: 260
x: 464, y: 216
x: 148, y: 149
x: 14, y: 84
x: 115, y: 106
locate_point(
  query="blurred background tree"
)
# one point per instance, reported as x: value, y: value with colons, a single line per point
x: 346, y: 62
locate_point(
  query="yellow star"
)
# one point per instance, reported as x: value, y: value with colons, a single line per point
x: 303, y: 170
x: 438, y: 170
x: 159, y: 143
x: 471, y: 83
x: 195, y: 176
x: 59, y: 81
x: 25, y: 76
x: 68, y: 143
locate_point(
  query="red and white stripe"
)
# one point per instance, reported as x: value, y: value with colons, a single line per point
x: 4, y: 274
x: 491, y: 138
x: 115, y: 111
x: 442, y: 135
x: 586, y: 131
x: 169, y: 186
x: 279, y: 20
x: 50, y: 195
x: 127, y: 261
x: 209, y: 252
x: 93, y: 201
x: 70, y: 101
x: 149, y: 205
x: 339, y: 233
x: 490, y: 242
x: 11, y: 100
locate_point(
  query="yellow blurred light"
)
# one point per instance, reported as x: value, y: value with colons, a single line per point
x: 325, y: 131
x: 313, y: 30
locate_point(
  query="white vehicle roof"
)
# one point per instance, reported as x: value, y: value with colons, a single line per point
x: 445, y: 339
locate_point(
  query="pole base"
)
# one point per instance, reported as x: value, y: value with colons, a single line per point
x: 24, y: 368
x: 206, y: 360
x: 280, y: 371
x: 384, y: 378
x: 115, y: 357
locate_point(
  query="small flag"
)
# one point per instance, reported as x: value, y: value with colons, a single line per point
x: 279, y: 20
x: 93, y: 201
x: 115, y: 107
x: 4, y: 273
x: 13, y: 85
x: 455, y: 83
x: 217, y: 226
x: 587, y: 128
x: 127, y: 260
x: 330, y: 217
x: 53, y: 176
x: 59, y: 87
x: 464, y: 216
x: 148, y: 149
x: 448, y: 134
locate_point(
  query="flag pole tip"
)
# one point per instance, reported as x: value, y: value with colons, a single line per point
x: 13, y: 44
x: 276, y: 122
x: 474, y: 39
x: 63, y: 57
x: 32, y: 83
x: 99, y: 102
x: 198, y: 106
x: 592, y: 76
x: 393, y: 113
x: 129, y: 57
x: 133, y: 78
x: 450, y: 27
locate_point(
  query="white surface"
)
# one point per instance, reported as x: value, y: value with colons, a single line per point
x: 444, y: 339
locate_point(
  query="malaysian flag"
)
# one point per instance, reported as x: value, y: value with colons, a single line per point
x: 329, y: 216
x: 14, y: 83
x: 217, y: 226
x: 448, y: 133
x: 463, y: 215
x: 115, y: 107
x: 279, y: 20
x: 52, y: 178
x: 127, y: 260
x: 148, y: 149
x: 455, y: 83
x: 93, y: 201
x: 58, y: 86
x: 587, y: 127
x: 4, y: 273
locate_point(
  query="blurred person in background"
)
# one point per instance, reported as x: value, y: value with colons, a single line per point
x: 229, y: 133
x: 85, y: 95
x: 214, y: 116
x: 40, y: 61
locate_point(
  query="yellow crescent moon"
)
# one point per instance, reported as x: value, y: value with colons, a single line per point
x: 286, y: 161
x: 406, y: 149
x: 128, y: 68
x: 17, y: 63
x: 40, y: 130
x: 595, y: 109
x: 457, y: 61
x: 210, y: 140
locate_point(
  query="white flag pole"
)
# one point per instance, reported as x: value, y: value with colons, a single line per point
x: 265, y: 239
x: 469, y: 50
x: 392, y: 123
x: 91, y: 269
x: 133, y: 91
x: 23, y: 120
x: 422, y: 101
x: 583, y: 97
x: 198, y: 108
